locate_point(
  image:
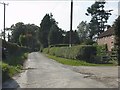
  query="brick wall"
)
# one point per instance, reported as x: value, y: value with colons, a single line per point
x: 109, y: 40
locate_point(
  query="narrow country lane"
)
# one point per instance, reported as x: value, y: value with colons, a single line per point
x: 42, y: 72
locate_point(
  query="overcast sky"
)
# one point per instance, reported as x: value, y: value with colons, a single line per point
x: 33, y: 12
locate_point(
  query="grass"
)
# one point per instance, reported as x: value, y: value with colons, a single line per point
x: 75, y: 62
x: 12, y: 65
x: 10, y: 69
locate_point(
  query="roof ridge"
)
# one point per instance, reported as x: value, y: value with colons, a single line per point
x: 108, y: 32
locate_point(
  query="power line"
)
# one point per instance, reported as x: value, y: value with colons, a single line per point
x: 4, y: 17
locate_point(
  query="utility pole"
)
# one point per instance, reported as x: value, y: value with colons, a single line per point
x: 4, y: 17
x: 71, y: 16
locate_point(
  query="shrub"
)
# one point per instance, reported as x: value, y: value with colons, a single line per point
x: 102, y: 54
x: 88, y: 42
x: 59, y: 45
x: 45, y: 50
x: 13, y: 49
x: 80, y: 52
x: 101, y: 49
x: 15, y: 57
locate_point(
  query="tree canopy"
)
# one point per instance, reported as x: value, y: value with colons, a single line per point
x: 55, y: 35
x: 99, y: 18
x: 83, y: 31
x: 74, y: 39
x: 44, y: 30
x: 24, y: 35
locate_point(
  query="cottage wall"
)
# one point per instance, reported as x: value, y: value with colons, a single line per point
x: 108, y: 40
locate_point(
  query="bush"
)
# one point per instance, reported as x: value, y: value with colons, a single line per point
x: 88, y: 42
x: 45, y: 50
x: 12, y: 66
x: 80, y: 52
x: 101, y: 50
x: 13, y: 49
x: 59, y: 45
x: 15, y: 57
x: 114, y: 56
x: 102, y: 54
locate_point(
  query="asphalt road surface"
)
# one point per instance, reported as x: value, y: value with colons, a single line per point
x: 41, y: 72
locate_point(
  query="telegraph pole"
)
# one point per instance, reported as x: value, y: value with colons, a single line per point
x: 71, y: 16
x: 4, y: 17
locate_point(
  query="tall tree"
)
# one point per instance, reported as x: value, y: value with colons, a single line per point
x: 74, y: 35
x: 31, y: 35
x: 83, y: 31
x: 117, y: 33
x: 99, y: 17
x: 55, y: 35
x: 45, y: 26
x: 17, y: 30
x: 25, y: 35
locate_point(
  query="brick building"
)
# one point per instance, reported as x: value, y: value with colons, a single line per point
x: 107, y: 38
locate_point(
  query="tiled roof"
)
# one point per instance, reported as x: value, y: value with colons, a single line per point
x: 109, y: 32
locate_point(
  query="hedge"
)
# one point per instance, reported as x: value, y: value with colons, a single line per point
x: 80, y: 52
x: 103, y: 55
x: 14, y: 57
x: 13, y: 48
x: 59, y: 45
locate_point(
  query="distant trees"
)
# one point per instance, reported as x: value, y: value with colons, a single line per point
x: 24, y: 35
x: 83, y: 31
x: 45, y: 26
x: 34, y: 37
x: 22, y: 40
x: 16, y: 31
x: 74, y: 39
x: 51, y: 34
x: 99, y: 18
x: 55, y: 35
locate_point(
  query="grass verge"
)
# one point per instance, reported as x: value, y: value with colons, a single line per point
x: 74, y: 62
